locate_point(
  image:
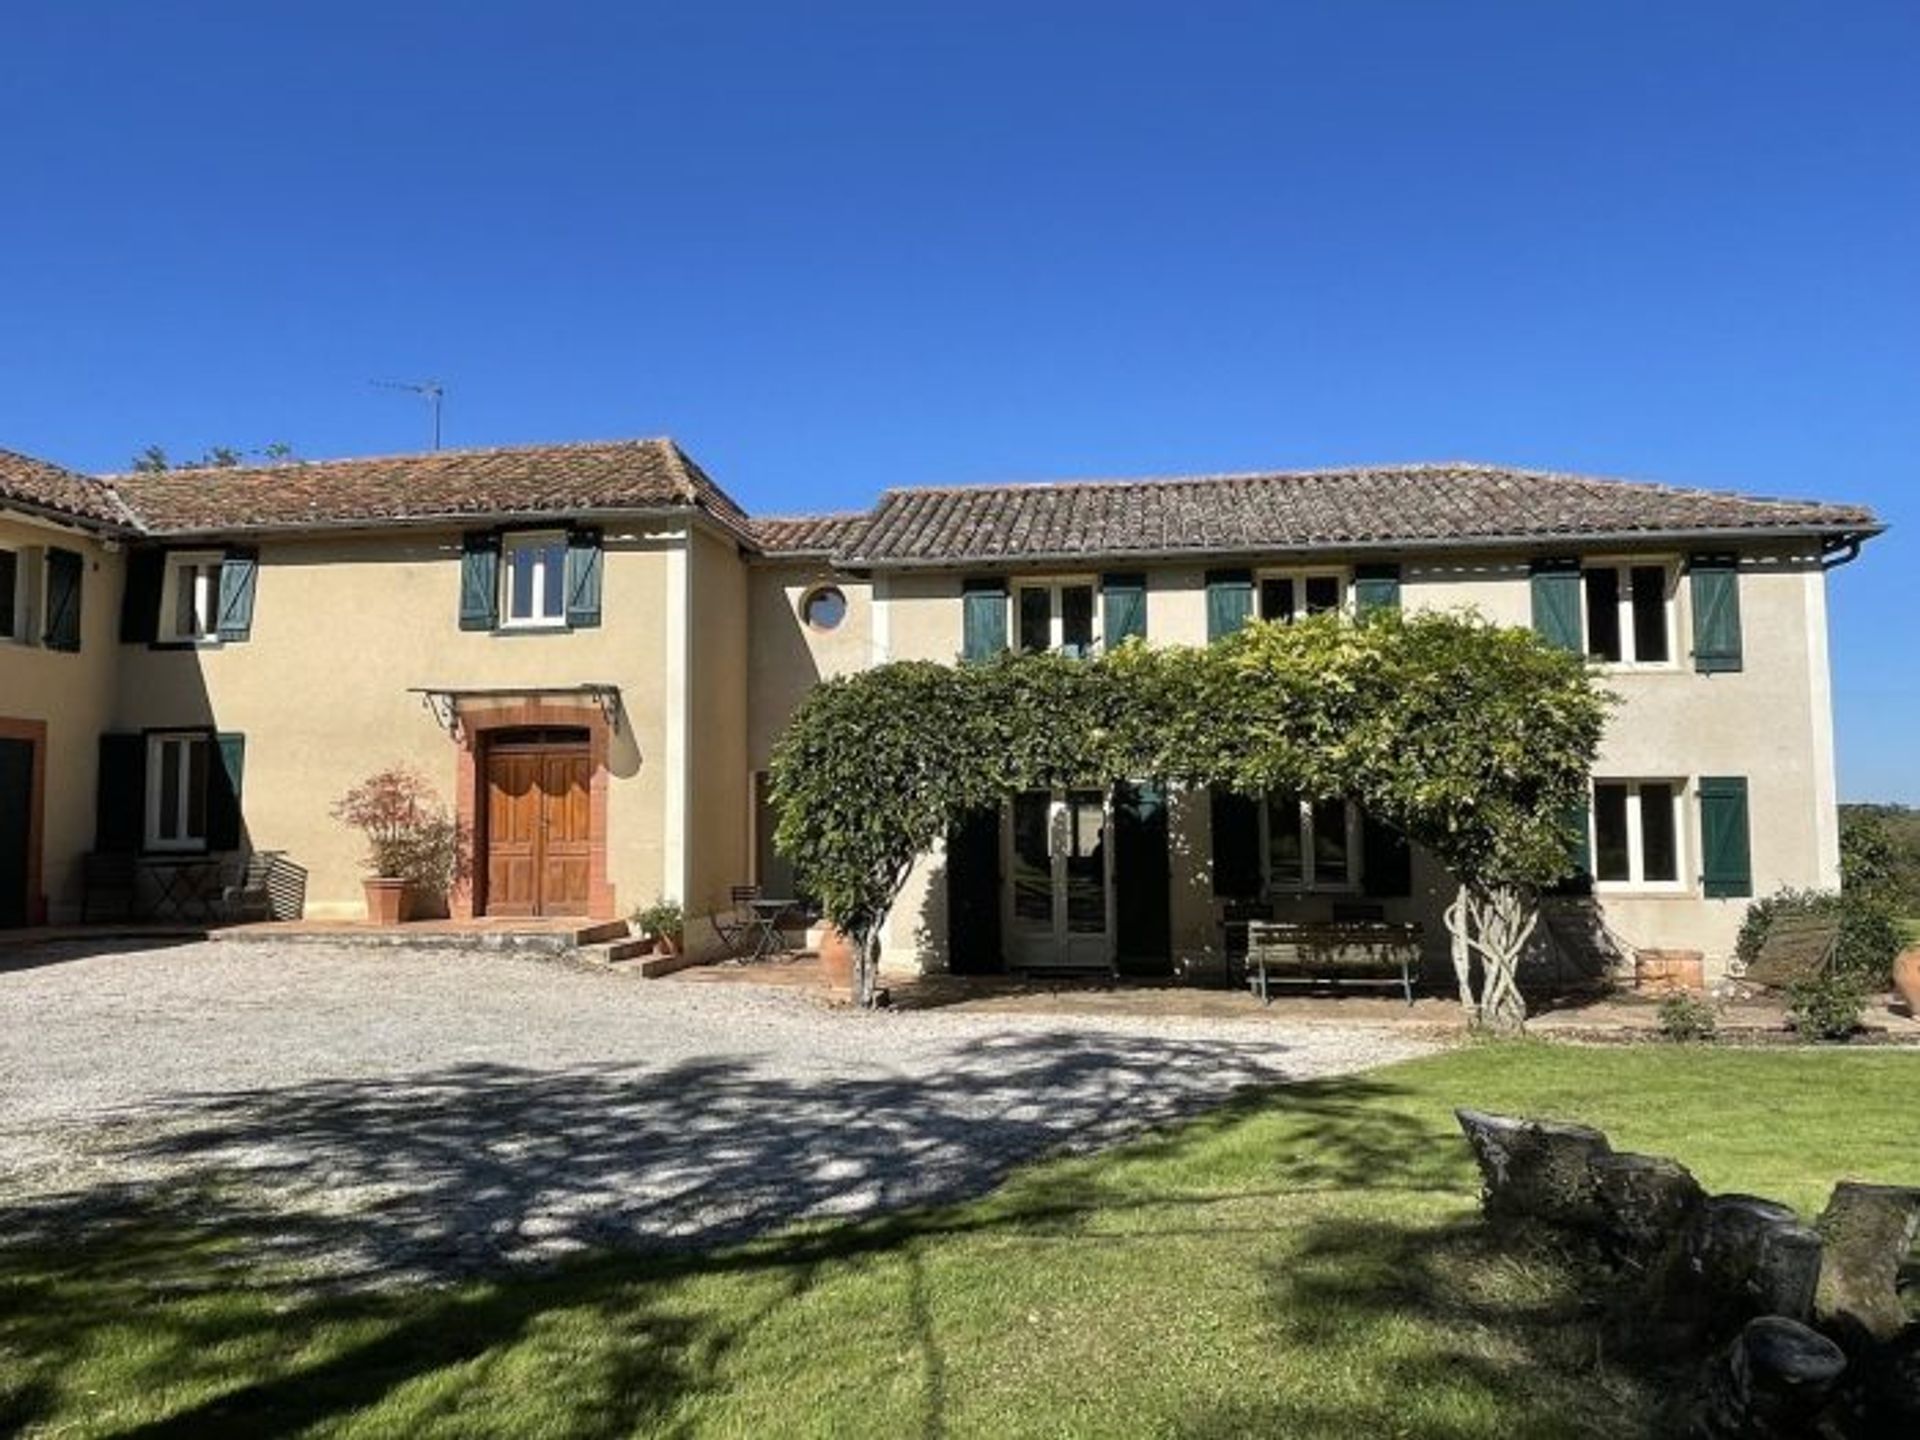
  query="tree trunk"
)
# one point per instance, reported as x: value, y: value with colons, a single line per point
x: 866, y: 967
x: 1495, y: 924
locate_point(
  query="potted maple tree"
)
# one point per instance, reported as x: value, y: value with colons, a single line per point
x: 415, y: 854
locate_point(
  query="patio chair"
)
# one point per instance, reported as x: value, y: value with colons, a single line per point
x: 248, y: 897
x: 739, y: 927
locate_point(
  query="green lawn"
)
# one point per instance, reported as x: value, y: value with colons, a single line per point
x: 1306, y: 1262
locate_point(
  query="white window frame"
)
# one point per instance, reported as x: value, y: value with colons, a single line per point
x: 24, y: 613
x: 1636, y: 882
x: 538, y: 540
x: 184, y: 843
x: 206, y: 587
x: 1056, y: 614
x: 1299, y: 575
x: 1310, y: 882
x: 1623, y: 567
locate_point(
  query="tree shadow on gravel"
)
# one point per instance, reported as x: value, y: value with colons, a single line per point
x: 320, y: 1208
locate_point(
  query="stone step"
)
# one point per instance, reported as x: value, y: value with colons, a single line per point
x: 654, y: 966
x: 599, y: 931
x: 628, y: 949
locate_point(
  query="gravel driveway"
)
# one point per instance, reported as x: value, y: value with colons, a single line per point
x: 387, y: 1113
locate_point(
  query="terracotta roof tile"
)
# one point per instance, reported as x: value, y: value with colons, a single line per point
x: 571, y: 479
x: 809, y: 534
x: 46, y: 486
x: 1407, y: 505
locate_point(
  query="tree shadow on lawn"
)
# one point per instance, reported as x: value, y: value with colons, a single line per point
x: 258, y: 1275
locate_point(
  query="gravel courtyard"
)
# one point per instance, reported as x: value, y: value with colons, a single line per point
x: 381, y: 1113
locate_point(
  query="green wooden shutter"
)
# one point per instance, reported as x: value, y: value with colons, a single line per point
x: 238, y: 569
x: 1123, y: 603
x: 64, y: 569
x: 983, y: 619
x: 1726, y: 855
x: 1229, y: 602
x: 120, y: 795
x: 223, y: 792
x: 224, y: 829
x: 140, y: 601
x: 1577, y: 821
x: 1715, y: 581
x: 1386, y: 860
x: 1236, y: 845
x: 1556, y: 604
x: 1375, y: 587
x: 479, y: 580
x: 583, y: 579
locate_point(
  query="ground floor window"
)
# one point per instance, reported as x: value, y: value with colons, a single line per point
x: 1636, y: 832
x: 177, y: 770
x: 1310, y: 844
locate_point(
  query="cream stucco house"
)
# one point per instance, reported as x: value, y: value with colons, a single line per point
x: 591, y: 649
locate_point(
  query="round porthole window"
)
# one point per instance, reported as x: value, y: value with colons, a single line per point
x: 824, y: 608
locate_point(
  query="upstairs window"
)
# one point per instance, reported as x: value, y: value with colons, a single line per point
x: 190, y: 597
x: 1286, y: 597
x: 13, y: 596
x: 533, y: 582
x: 1057, y: 615
x: 1627, y: 613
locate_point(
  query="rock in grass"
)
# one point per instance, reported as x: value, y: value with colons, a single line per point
x: 1867, y: 1233
x: 1768, y: 1383
x: 1535, y: 1169
x: 1644, y: 1201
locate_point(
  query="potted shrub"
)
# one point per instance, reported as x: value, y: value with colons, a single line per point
x: 415, y: 853
x: 664, y: 923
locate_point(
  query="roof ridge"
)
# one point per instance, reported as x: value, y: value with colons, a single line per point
x: 454, y: 452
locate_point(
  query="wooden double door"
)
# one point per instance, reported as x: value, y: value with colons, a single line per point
x: 539, y: 825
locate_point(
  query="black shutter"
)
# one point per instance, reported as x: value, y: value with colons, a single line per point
x: 238, y: 570
x: 64, y: 569
x: 224, y: 770
x: 479, y: 580
x: 120, y: 797
x: 1386, y: 860
x: 1236, y: 846
x: 140, y: 603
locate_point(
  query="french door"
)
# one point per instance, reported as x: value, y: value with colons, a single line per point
x: 538, y: 831
x: 1058, y: 848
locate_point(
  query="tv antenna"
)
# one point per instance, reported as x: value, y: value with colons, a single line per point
x: 432, y: 391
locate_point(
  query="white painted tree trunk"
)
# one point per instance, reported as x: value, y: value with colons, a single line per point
x: 1494, y: 925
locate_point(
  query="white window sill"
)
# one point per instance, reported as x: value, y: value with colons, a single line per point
x: 1634, y: 667
x: 521, y: 626
x: 1632, y: 890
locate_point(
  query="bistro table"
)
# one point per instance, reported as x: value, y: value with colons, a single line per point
x: 768, y: 939
x: 185, y: 887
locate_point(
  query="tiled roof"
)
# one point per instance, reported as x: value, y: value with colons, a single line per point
x: 810, y: 534
x: 570, y: 479
x: 1404, y: 505
x: 48, y: 487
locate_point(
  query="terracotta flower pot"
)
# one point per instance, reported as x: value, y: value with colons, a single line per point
x: 1906, y: 978
x: 667, y: 944
x: 836, y: 958
x: 386, y: 900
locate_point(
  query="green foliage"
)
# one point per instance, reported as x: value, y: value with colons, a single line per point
x: 410, y: 835
x: 1870, y: 934
x: 1474, y: 740
x: 1864, y: 830
x: 154, y: 459
x: 662, y: 918
x: 1686, y: 1018
x: 1826, y: 1008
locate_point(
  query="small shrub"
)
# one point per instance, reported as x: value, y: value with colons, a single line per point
x: 1687, y: 1018
x: 1869, y: 930
x: 409, y: 834
x: 663, y: 917
x: 1827, y: 1008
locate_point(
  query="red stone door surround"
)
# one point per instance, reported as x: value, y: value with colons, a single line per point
x: 475, y: 725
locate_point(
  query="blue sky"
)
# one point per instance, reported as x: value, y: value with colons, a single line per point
x: 833, y: 248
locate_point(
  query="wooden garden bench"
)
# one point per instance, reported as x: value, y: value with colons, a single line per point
x: 1370, y: 952
x: 1797, y: 947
